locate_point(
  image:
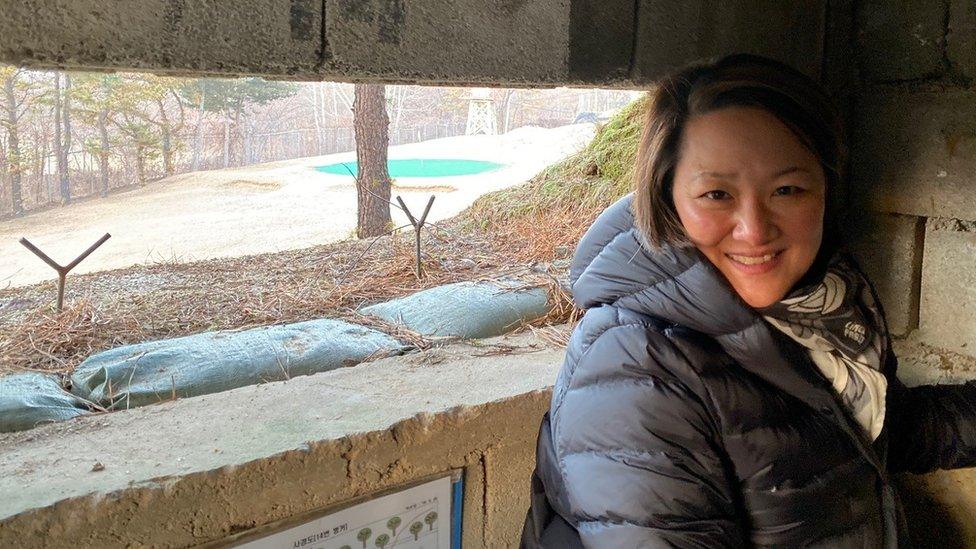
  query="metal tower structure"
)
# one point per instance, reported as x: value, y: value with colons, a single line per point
x: 481, y: 113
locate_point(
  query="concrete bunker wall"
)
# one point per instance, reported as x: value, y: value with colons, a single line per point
x: 905, y: 74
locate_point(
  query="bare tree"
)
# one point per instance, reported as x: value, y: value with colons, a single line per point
x: 62, y: 134
x: 11, y: 123
x: 373, y: 180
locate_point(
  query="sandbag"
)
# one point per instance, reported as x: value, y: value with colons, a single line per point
x: 145, y: 373
x: 29, y: 399
x: 468, y: 310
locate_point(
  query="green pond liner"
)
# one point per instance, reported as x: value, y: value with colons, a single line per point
x: 419, y: 167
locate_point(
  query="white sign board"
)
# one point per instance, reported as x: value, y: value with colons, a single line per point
x: 414, y: 518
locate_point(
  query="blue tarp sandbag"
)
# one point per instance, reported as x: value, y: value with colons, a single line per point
x: 468, y: 310
x: 29, y: 399
x: 145, y: 373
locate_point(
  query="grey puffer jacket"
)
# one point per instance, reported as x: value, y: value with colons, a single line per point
x: 682, y: 419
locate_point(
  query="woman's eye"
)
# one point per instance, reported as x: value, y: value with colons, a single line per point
x: 787, y: 190
x: 716, y: 195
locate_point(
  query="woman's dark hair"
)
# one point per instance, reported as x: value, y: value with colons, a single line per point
x: 736, y: 80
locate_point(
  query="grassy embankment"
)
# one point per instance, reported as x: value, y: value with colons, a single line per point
x: 545, y: 218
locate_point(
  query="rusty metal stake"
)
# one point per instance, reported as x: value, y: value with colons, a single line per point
x: 417, y: 226
x: 63, y: 270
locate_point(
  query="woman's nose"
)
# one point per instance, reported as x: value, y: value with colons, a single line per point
x: 755, y: 225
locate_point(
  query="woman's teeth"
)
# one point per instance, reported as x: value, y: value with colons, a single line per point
x: 753, y: 260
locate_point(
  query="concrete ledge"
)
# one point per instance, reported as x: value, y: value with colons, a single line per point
x: 200, y: 469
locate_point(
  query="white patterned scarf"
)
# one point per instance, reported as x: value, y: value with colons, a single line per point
x: 837, y: 321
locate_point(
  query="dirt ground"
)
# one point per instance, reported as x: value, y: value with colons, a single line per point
x: 264, y: 208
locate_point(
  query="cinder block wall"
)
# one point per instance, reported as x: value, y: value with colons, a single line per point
x: 913, y: 137
x: 913, y: 144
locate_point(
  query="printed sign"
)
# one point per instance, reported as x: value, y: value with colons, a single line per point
x: 414, y: 518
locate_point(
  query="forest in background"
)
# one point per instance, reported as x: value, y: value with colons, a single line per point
x: 65, y: 136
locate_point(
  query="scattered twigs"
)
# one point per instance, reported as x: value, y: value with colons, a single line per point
x: 63, y: 270
x: 417, y: 226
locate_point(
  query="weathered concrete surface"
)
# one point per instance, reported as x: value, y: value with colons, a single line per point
x: 465, y: 40
x: 839, y: 67
x: 520, y: 42
x: 246, y: 36
x: 921, y: 364
x: 961, y: 38
x: 671, y: 33
x: 915, y: 152
x: 889, y: 249
x: 200, y: 469
x: 900, y: 41
x: 601, y: 39
x: 947, y: 316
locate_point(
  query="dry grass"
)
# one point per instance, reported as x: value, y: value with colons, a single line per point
x: 108, y: 309
x: 545, y: 218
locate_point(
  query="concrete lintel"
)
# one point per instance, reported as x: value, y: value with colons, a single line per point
x: 212, y: 466
x: 671, y: 34
x: 611, y: 43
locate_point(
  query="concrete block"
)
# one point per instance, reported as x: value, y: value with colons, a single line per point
x: 472, y: 41
x: 915, y: 152
x: 508, y: 469
x: 601, y: 39
x: 900, y: 42
x: 947, y: 313
x: 889, y: 250
x: 961, y: 38
x: 920, y: 364
x: 671, y: 34
x: 249, y: 36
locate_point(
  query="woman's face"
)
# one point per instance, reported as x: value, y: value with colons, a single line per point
x: 751, y: 197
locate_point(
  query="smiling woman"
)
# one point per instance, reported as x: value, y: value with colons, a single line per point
x: 732, y: 382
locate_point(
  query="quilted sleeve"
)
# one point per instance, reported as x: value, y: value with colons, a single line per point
x: 638, y: 450
x: 931, y: 427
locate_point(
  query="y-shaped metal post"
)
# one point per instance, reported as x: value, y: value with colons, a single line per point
x: 63, y: 270
x: 417, y: 225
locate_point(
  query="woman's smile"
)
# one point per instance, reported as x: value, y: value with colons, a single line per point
x: 755, y: 263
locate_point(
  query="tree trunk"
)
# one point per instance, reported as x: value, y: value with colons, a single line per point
x: 509, y: 98
x: 167, y: 143
x: 318, y: 99
x: 103, y: 151
x: 226, y: 140
x: 14, y: 158
x: 141, y: 163
x: 198, y: 137
x: 373, y: 181
x: 59, y: 148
